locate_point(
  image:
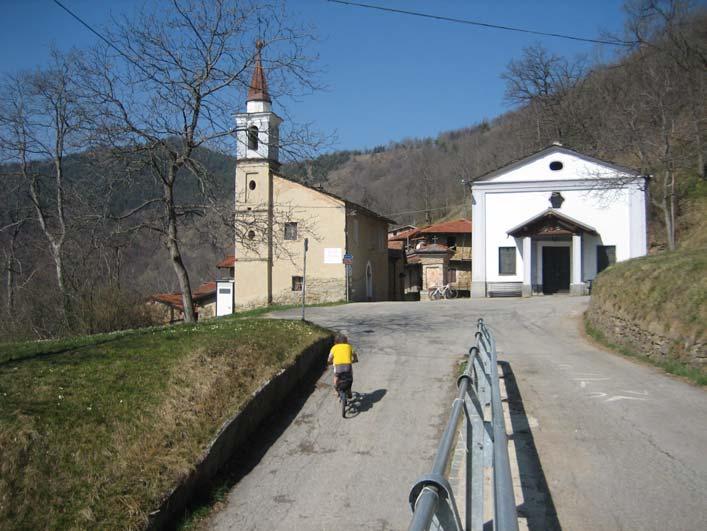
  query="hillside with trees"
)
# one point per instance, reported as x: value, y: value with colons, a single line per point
x: 109, y: 197
x: 643, y: 108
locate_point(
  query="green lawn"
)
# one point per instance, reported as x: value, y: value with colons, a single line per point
x: 94, y: 430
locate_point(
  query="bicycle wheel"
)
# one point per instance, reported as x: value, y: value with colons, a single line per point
x: 342, y: 399
x: 450, y: 293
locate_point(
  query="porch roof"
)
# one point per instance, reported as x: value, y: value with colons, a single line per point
x: 550, y: 222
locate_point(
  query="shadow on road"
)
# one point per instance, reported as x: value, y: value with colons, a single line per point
x: 244, y: 460
x: 538, y: 507
x: 364, y: 401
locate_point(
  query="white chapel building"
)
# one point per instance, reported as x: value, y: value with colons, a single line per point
x: 549, y: 223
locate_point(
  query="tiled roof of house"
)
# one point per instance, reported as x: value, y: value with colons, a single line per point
x: 400, y: 229
x: 349, y: 204
x: 204, y: 291
x: 458, y: 226
x: 432, y: 248
x: 229, y: 261
x: 404, y: 235
x: 170, y: 299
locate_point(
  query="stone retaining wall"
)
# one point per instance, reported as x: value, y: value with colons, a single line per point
x: 235, y: 432
x: 641, y: 339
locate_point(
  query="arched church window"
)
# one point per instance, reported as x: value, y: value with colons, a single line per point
x: 253, y: 137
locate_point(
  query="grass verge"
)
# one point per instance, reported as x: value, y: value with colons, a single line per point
x: 95, y: 430
x: 670, y: 366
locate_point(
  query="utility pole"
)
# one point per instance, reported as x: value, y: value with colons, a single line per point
x: 467, y: 183
x: 304, y: 275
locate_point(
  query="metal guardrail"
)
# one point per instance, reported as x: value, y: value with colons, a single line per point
x: 479, y: 399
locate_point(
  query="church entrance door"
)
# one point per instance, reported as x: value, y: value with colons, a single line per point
x: 556, y: 270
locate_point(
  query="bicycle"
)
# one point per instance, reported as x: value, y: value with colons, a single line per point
x: 343, y: 389
x: 446, y: 292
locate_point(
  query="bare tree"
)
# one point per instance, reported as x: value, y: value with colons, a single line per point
x: 43, y: 120
x: 167, y: 86
x: 675, y: 30
x: 543, y: 81
x: 652, y: 103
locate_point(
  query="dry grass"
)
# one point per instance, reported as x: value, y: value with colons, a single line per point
x: 95, y: 433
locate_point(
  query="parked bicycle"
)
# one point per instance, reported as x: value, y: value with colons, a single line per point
x: 445, y: 292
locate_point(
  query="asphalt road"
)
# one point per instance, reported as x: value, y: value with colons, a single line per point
x: 620, y: 445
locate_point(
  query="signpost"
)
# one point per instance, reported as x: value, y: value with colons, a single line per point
x: 347, y: 261
x: 304, y: 275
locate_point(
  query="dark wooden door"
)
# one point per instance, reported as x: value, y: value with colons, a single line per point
x: 556, y: 269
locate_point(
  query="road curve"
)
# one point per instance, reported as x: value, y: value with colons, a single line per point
x: 620, y: 445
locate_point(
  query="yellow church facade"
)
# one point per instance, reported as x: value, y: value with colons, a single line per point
x: 274, y: 216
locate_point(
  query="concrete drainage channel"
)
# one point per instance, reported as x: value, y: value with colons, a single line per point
x: 236, y: 431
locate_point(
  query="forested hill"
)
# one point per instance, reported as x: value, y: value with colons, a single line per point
x: 645, y: 109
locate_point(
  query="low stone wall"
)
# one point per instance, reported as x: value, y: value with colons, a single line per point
x: 639, y: 338
x: 235, y: 432
x: 318, y: 290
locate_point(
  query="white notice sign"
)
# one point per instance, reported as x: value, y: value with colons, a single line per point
x: 332, y: 255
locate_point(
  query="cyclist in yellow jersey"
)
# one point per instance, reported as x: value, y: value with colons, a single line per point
x: 342, y: 356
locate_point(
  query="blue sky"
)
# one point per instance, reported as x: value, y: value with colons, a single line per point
x: 388, y: 76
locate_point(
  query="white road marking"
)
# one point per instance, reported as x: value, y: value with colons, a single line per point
x: 622, y: 397
x: 591, y: 379
x: 598, y: 394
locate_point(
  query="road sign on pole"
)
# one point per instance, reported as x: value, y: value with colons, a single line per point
x: 304, y: 275
x: 348, y: 259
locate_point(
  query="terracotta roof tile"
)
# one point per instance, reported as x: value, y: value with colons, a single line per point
x: 175, y: 299
x: 433, y: 248
x: 404, y: 235
x: 170, y: 299
x: 459, y: 226
x: 229, y: 261
x: 206, y: 289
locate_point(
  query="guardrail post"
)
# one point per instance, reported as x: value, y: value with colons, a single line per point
x: 479, y: 400
x: 474, y: 505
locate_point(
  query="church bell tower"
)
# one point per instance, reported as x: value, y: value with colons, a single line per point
x: 257, y: 139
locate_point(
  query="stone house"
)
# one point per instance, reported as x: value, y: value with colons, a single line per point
x: 432, y: 256
x: 275, y: 215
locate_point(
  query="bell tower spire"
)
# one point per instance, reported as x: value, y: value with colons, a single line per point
x: 258, y: 90
x: 258, y: 129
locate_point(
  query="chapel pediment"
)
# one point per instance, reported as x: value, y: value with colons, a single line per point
x: 557, y: 163
x: 550, y: 223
